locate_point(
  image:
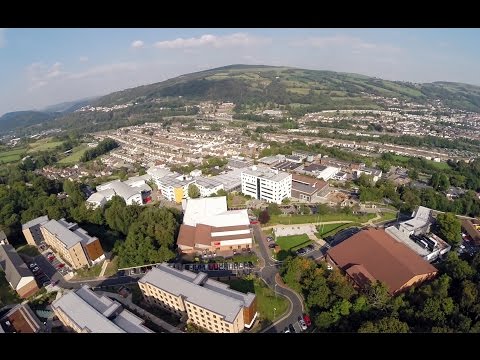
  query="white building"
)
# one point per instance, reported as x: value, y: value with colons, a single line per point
x: 374, y: 173
x: 208, y: 186
x: 174, y: 187
x: 266, y: 184
x: 130, y: 190
x: 158, y: 172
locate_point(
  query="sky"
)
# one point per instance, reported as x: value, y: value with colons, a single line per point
x: 42, y: 67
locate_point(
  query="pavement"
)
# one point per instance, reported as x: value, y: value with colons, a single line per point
x: 269, y: 274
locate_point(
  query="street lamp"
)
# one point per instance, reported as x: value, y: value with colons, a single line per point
x: 274, y: 309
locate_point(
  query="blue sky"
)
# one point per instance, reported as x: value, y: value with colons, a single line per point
x: 41, y: 67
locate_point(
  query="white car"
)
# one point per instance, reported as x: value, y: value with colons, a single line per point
x: 302, y: 324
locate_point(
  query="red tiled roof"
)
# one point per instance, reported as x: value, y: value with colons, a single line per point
x: 384, y: 258
x: 202, y: 234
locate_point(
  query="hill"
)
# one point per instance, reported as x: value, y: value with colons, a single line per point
x: 70, y: 106
x: 17, y: 119
x: 256, y: 87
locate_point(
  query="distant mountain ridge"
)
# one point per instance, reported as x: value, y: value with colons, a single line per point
x: 250, y: 87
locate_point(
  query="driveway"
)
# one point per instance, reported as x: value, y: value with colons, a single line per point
x: 269, y: 274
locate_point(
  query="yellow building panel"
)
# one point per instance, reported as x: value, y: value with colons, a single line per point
x: 178, y: 194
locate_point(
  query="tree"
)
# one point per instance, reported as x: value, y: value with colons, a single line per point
x: 264, y: 217
x: 385, y: 325
x: 193, y: 191
x: 378, y: 295
x: 273, y: 209
x: 413, y: 174
x: 304, y: 209
x: 457, y: 268
x: 323, y: 209
x: 449, y: 228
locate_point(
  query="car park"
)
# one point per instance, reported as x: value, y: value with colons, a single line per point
x: 291, y: 328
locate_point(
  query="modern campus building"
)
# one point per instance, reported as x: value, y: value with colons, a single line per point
x: 209, y: 226
x: 31, y: 230
x: 86, y: 312
x: 17, y: 272
x: 265, y: 184
x: 321, y: 171
x: 372, y: 255
x: 133, y: 191
x: 174, y: 187
x: 72, y: 243
x: 207, y: 303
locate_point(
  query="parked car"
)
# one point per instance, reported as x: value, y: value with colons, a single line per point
x: 54, y: 282
x: 216, y: 267
x: 36, y: 269
x: 187, y: 267
x: 32, y: 265
x: 230, y: 266
x: 287, y: 330
x: 302, y: 324
x: 254, y: 222
x: 210, y: 266
x: 291, y: 328
x: 307, y: 320
x: 61, y: 265
x: 46, y: 283
x: 269, y: 238
x: 221, y: 266
x: 235, y: 266
x: 271, y: 246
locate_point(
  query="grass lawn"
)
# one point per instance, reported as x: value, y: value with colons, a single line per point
x: 306, y: 219
x: 112, y: 267
x: 266, y: 299
x: 92, y: 272
x: 331, y: 229
x: 29, y: 250
x: 7, y: 294
x: 293, y: 242
x: 75, y: 156
x: 11, y: 155
x: 42, y: 145
x: 439, y: 165
x: 387, y: 216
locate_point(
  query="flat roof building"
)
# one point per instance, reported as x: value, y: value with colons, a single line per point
x: 31, y: 230
x: 374, y: 255
x: 306, y: 187
x: 266, y: 184
x: 207, y: 303
x: 209, y: 226
x: 73, y: 243
x: 86, y: 312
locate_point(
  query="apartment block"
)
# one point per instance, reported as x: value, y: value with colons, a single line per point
x: 73, y: 243
x: 84, y: 311
x: 174, y: 187
x: 266, y: 184
x: 17, y: 272
x: 207, y: 303
x: 31, y: 230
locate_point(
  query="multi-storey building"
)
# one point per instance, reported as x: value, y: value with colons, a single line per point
x: 72, y: 243
x: 31, y: 230
x: 17, y: 272
x: 86, y: 312
x: 266, y: 184
x: 207, y: 303
x: 174, y: 187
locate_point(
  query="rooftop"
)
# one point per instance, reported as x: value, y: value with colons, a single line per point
x: 98, y: 314
x: 22, y: 320
x: 31, y: 223
x: 266, y: 173
x: 384, y: 258
x: 68, y: 233
x: 176, y: 180
x: 12, y: 264
x: 212, y: 295
x: 207, y: 182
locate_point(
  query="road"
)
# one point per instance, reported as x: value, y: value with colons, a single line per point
x: 269, y: 275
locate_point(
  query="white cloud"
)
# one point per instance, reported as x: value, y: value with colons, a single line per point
x: 2, y: 38
x: 137, y: 44
x: 345, y: 41
x: 83, y: 59
x: 40, y: 74
x: 237, y: 39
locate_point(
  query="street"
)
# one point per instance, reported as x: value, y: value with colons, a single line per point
x: 268, y: 274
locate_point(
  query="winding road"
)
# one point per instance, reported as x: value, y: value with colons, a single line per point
x: 269, y: 273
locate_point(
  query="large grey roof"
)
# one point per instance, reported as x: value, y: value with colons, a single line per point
x: 68, y: 233
x: 91, y: 311
x: 213, y: 296
x: 123, y: 190
x: 39, y: 220
x: 207, y: 182
x: 13, y: 265
x: 267, y: 174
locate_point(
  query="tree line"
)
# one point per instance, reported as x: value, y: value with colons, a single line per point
x: 103, y: 147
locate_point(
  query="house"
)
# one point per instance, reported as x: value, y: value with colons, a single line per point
x: 374, y: 173
x: 133, y: 191
x: 84, y: 311
x: 20, y: 319
x: 306, y: 187
x: 209, y: 226
x: 321, y: 171
x: 373, y: 255
x: 31, y: 230
x: 73, y: 243
x: 17, y: 273
x: 207, y: 303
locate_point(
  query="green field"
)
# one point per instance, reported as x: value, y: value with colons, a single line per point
x: 306, y: 219
x: 437, y: 165
x: 75, y: 156
x: 293, y: 242
x: 331, y: 229
x: 266, y: 299
x: 11, y: 155
x: 42, y: 145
